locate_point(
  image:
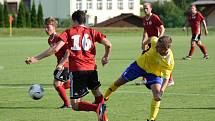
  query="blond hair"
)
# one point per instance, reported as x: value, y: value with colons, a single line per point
x: 51, y: 21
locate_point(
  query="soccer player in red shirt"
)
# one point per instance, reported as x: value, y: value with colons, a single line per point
x: 153, y: 26
x: 195, y: 19
x: 81, y: 50
x: 61, y: 80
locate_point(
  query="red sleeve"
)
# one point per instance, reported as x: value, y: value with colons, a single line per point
x: 98, y: 36
x: 200, y: 16
x: 64, y: 36
x: 158, y: 21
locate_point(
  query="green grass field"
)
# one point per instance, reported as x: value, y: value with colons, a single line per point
x: 190, y: 99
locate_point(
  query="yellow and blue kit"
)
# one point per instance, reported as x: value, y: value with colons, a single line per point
x: 151, y: 65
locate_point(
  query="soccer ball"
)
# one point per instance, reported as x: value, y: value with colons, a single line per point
x: 36, y: 91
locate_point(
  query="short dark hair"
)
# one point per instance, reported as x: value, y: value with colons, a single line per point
x: 166, y: 41
x: 79, y: 16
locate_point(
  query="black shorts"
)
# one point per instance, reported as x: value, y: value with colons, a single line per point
x: 81, y: 81
x: 196, y: 37
x: 61, y: 75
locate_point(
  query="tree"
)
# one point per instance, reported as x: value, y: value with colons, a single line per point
x: 170, y: 14
x: 5, y: 11
x: 21, y: 20
x: 183, y: 4
x: 40, y: 15
x: 28, y: 18
x: 1, y: 16
x: 33, y: 16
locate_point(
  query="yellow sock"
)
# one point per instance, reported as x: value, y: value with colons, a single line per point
x: 155, y: 105
x: 109, y: 91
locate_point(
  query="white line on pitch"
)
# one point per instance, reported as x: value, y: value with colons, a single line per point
x: 130, y: 92
x: 169, y: 93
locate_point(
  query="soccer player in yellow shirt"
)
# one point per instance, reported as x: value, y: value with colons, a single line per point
x: 155, y: 64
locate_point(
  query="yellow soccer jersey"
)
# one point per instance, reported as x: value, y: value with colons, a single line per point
x: 153, y: 62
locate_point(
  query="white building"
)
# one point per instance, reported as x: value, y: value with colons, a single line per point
x: 97, y: 10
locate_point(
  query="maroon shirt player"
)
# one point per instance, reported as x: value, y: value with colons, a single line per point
x: 195, y: 20
x: 153, y: 26
x: 81, y: 51
x: 61, y: 81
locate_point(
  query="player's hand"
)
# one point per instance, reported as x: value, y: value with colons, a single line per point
x: 104, y: 60
x: 206, y: 32
x: 31, y: 60
x: 161, y: 93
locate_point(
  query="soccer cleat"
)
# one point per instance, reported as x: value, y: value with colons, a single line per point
x: 206, y: 57
x: 101, y: 112
x: 65, y: 106
x: 187, y: 58
x: 142, y: 82
x: 150, y: 120
x: 170, y: 83
x: 106, y: 98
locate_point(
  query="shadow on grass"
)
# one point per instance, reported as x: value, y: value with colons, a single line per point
x: 191, y: 108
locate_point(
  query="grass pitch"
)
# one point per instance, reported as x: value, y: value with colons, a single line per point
x: 190, y: 99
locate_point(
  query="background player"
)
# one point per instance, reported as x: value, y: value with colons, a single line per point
x: 153, y: 26
x: 61, y: 80
x: 194, y: 20
x: 152, y: 65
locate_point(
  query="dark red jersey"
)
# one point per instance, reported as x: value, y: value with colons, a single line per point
x: 151, y: 25
x: 54, y: 39
x: 82, y: 45
x: 195, y: 22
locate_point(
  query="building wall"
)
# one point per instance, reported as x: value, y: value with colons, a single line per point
x: 55, y: 8
x: 2, y: 1
x: 65, y: 9
x: 210, y: 19
x: 105, y: 14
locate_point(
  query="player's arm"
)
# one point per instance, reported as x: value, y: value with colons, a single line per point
x: 186, y: 25
x: 144, y: 44
x: 63, y: 60
x: 166, y: 74
x: 50, y: 51
x: 205, y: 27
x: 108, y: 47
x: 162, y: 30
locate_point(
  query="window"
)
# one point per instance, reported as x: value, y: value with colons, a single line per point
x: 89, y: 4
x: 130, y: 4
x: 78, y: 4
x: 109, y: 4
x: 99, y: 4
x: 120, y: 4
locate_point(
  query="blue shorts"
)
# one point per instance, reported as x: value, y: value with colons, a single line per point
x: 134, y: 71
